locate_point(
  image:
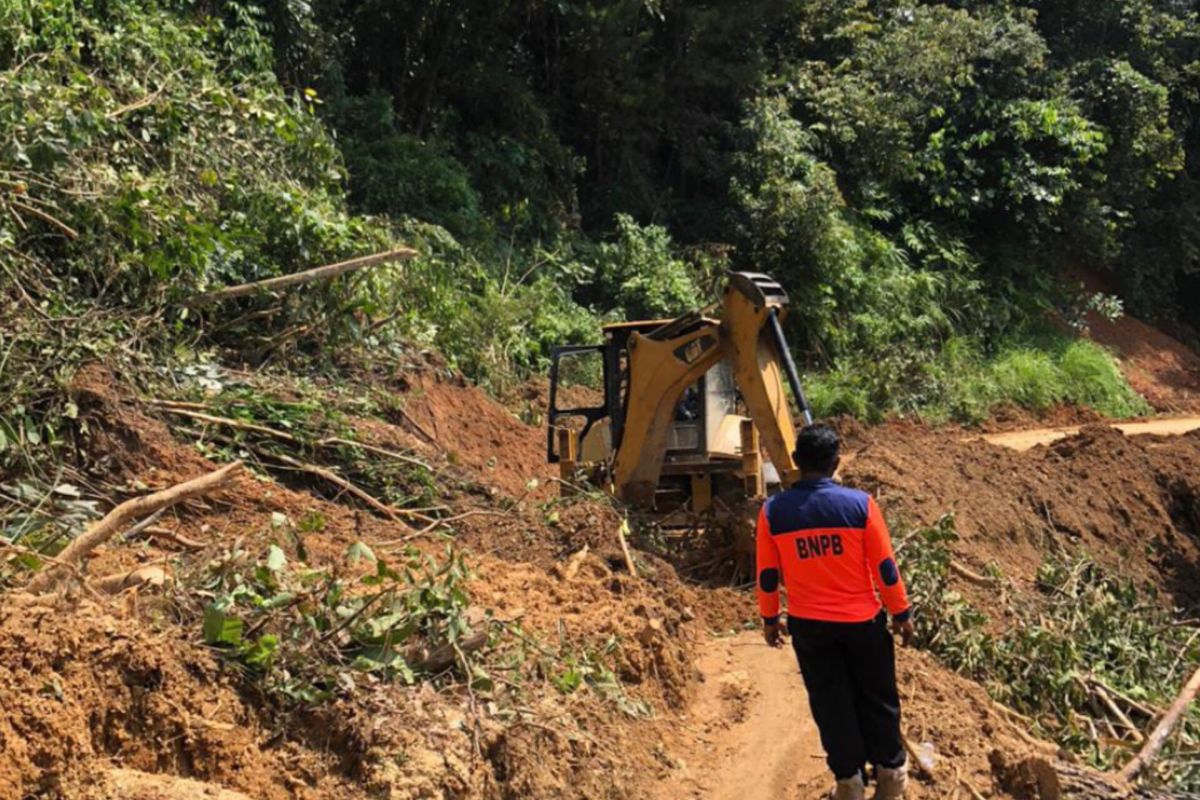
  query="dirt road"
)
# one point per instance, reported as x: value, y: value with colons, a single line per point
x: 748, y: 734
x: 1024, y: 440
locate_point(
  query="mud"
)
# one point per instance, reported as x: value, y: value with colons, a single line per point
x: 1126, y: 501
x: 115, y: 698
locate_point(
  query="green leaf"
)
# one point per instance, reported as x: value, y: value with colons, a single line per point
x: 221, y: 628
x: 276, y: 560
x: 359, y: 552
x: 569, y: 681
x: 260, y: 654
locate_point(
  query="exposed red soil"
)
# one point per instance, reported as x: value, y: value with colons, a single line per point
x: 1130, y: 502
x: 127, y: 686
x: 1159, y: 367
x: 474, y: 430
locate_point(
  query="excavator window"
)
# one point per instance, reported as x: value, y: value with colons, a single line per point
x: 579, y: 396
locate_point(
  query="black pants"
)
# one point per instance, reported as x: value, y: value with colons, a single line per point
x: 849, y: 670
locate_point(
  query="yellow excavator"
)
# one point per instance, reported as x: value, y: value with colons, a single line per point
x: 690, y: 407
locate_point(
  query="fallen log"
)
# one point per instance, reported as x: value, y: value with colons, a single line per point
x: 115, y: 521
x: 1162, y: 731
x: 297, y: 278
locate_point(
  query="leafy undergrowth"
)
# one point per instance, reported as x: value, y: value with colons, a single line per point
x: 1083, y: 658
x: 959, y: 383
x: 303, y: 635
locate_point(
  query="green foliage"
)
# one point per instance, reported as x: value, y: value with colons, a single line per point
x: 1034, y: 371
x: 305, y: 635
x: 638, y: 276
x: 1044, y: 659
x: 915, y: 177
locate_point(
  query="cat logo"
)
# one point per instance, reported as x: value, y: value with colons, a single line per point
x: 691, y: 351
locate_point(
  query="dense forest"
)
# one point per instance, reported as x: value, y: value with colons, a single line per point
x: 929, y: 181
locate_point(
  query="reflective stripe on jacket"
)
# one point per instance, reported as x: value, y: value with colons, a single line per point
x: 829, y: 548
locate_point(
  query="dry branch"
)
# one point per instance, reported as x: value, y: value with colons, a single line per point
x: 1158, y: 737
x: 973, y: 577
x: 116, y: 520
x: 395, y: 514
x: 236, y: 424
x: 297, y: 278
x: 160, y: 534
x: 1112, y: 706
x: 148, y: 575
x: 625, y: 549
x: 197, y: 412
x: 66, y: 229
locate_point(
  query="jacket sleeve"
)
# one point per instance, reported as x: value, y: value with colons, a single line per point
x: 766, y: 568
x: 881, y: 561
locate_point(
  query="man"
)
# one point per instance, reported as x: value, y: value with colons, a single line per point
x: 829, y: 548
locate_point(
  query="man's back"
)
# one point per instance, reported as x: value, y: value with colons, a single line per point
x: 829, y: 547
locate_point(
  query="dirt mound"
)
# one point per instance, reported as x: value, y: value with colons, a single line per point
x: 140, y: 696
x: 1130, y: 502
x: 1160, y: 368
x: 83, y: 687
x: 474, y: 430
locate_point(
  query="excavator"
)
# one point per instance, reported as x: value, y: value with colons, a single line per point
x: 695, y: 422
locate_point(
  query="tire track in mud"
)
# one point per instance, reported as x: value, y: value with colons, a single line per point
x: 748, y: 734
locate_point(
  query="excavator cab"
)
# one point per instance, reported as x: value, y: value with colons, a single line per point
x: 685, y: 407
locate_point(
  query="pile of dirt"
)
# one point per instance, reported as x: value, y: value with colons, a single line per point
x: 474, y: 430
x: 139, y: 702
x: 1159, y: 367
x: 83, y: 687
x: 169, y: 712
x: 1128, y: 502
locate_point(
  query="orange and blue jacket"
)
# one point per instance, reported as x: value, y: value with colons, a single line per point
x: 829, y: 548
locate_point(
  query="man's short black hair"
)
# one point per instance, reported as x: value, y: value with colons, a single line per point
x: 817, y: 448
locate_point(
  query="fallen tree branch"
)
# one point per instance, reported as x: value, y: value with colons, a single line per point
x: 196, y: 411
x: 1158, y: 737
x: 395, y: 514
x: 115, y: 520
x: 146, y: 575
x: 160, y: 534
x: 236, y: 424
x: 66, y: 229
x: 1112, y: 706
x: 381, y: 451
x: 973, y: 577
x: 297, y: 278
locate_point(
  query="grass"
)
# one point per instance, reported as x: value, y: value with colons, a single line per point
x: 1036, y: 371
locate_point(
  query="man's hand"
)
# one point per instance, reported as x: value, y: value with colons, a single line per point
x: 904, y: 630
x: 774, y: 632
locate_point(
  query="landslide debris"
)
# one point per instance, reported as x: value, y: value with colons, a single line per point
x: 1128, y: 502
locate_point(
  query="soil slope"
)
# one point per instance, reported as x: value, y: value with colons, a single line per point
x: 112, y: 698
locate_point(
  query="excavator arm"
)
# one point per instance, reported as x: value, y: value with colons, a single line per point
x: 664, y: 362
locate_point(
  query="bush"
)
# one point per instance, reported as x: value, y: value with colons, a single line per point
x: 1036, y: 371
x: 638, y: 275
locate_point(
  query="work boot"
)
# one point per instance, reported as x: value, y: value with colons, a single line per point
x: 849, y: 789
x: 890, y: 783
